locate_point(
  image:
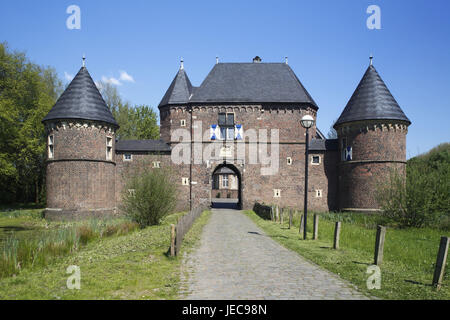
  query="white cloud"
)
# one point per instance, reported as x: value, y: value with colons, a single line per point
x: 124, y: 76
x: 111, y: 80
x: 68, y: 76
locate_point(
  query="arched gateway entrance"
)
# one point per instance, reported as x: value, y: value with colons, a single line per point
x: 226, y: 187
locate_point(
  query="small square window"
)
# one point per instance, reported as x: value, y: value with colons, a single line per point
x: 127, y: 157
x: 276, y: 193
x: 319, y: 193
x: 185, y: 181
x: 132, y: 192
x: 315, y: 160
x: 108, y: 148
x: 289, y: 161
x: 183, y: 123
x: 156, y: 164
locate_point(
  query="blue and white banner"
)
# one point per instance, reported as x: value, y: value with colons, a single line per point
x: 213, y: 131
x: 238, y: 132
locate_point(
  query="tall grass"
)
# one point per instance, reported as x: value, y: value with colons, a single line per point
x: 17, y: 254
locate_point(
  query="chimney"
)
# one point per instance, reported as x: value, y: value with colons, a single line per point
x: 256, y: 59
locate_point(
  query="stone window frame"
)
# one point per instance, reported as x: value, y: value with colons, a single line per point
x: 51, y: 151
x: 185, y: 181
x: 277, y: 193
x: 132, y: 192
x: 125, y: 157
x: 109, y: 145
x: 156, y: 164
x: 316, y: 163
x: 289, y: 161
x: 319, y: 193
x: 183, y: 123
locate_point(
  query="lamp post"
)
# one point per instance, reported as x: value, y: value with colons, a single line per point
x: 307, y: 122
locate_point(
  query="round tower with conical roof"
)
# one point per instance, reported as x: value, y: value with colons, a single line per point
x: 80, y: 132
x: 372, y: 142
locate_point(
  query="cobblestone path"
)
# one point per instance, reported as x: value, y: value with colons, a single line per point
x: 236, y: 260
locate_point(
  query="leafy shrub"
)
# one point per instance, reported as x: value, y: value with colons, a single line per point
x: 153, y: 196
x: 423, y: 199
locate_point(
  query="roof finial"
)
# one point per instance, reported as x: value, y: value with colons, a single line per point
x: 84, y: 60
x: 371, y: 58
x: 181, y: 64
x: 217, y: 59
x: 286, y: 60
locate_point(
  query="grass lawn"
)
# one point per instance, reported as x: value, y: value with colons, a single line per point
x: 409, y: 254
x: 132, y: 266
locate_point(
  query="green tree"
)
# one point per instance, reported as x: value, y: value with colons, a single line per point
x: 136, y: 122
x: 27, y: 93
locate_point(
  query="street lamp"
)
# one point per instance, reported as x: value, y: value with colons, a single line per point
x: 307, y: 122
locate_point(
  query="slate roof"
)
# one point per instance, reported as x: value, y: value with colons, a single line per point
x: 179, y: 90
x: 252, y: 82
x: 81, y: 100
x: 323, y: 144
x: 371, y: 100
x: 142, y: 146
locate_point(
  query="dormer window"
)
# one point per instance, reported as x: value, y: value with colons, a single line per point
x: 109, y: 148
x: 50, y: 147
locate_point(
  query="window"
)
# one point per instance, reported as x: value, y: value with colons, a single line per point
x: 50, y: 147
x: 183, y: 123
x: 277, y: 193
x: 156, y: 164
x: 289, y: 161
x: 226, y: 124
x: 225, y: 181
x: 315, y: 160
x: 319, y: 193
x: 132, y: 192
x: 108, y: 148
x: 127, y: 157
x: 344, y: 147
x: 185, y: 181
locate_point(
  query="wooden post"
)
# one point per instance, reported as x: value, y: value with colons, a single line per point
x: 337, y: 232
x: 440, y: 263
x: 379, y: 245
x: 290, y: 218
x: 301, y: 224
x: 172, y: 240
x: 316, y: 227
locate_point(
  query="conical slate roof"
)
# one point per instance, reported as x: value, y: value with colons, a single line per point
x: 81, y: 100
x: 371, y: 100
x: 179, y: 91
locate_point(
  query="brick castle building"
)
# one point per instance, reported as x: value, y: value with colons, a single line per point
x: 214, y: 136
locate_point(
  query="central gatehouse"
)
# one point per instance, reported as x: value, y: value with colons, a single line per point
x: 252, y: 144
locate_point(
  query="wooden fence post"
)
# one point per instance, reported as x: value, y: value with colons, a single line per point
x: 337, y: 232
x: 172, y: 240
x: 440, y: 263
x: 301, y: 224
x: 316, y: 227
x: 379, y: 245
x: 290, y: 218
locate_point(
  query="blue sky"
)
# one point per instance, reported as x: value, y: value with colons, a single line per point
x: 327, y: 42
